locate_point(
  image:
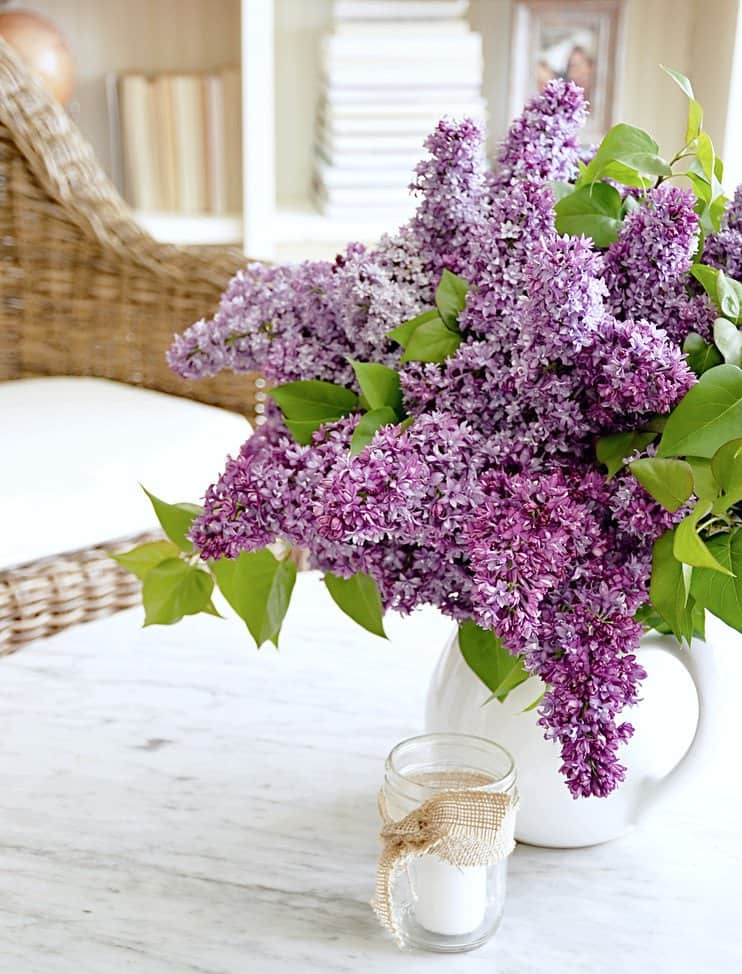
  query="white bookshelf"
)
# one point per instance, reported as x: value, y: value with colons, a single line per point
x: 278, y: 44
x: 193, y: 228
x: 281, y: 85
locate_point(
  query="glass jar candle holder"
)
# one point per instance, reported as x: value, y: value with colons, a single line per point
x: 440, y: 906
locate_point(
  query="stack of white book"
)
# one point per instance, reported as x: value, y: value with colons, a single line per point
x: 391, y: 69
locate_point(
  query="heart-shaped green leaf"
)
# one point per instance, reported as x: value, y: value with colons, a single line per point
x: 701, y: 355
x: 612, y: 449
x: 175, y: 519
x: 431, y: 342
x: 368, y: 424
x: 707, y: 416
x: 358, y: 597
x: 402, y: 333
x: 314, y: 399
x: 484, y: 653
x: 450, y: 297
x: 141, y: 560
x: 380, y: 386
x: 689, y: 547
x: 308, y: 404
x: 592, y: 210
x: 258, y: 586
x: 722, y: 594
x: 174, y: 589
x: 669, y: 481
x: 728, y: 339
x: 667, y: 589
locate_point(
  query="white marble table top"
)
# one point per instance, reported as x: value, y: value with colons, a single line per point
x: 173, y: 801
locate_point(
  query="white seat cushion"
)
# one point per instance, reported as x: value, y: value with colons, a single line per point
x: 73, y: 452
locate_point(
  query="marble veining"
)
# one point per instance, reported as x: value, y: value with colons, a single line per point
x: 174, y: 801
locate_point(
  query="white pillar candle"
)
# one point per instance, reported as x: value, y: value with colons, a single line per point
x: 449, y: 900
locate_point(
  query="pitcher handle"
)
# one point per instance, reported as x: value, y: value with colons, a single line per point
x: 702, y: 663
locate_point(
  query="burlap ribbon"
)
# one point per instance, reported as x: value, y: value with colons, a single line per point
x: 464, y: 828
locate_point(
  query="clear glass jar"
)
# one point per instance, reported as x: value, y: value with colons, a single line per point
x: 439, y: 906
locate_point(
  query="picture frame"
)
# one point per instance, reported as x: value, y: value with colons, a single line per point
x: 579, y: 40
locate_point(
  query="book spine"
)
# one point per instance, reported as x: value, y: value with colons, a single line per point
x: 215, y: 144
x: 188, y: 115
x: 138, y: 138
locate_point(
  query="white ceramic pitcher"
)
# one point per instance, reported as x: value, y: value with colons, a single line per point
x: 673, y: 725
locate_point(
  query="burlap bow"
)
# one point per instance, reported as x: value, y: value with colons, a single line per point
x: 464, y: 828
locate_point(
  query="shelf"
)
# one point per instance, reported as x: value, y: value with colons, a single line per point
x: 192, y: 228
x: 301, y: 222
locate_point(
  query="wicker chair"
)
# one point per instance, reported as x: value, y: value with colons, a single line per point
x: 85, y: 291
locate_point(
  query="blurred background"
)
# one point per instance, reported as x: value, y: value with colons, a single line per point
x: 291, y: 126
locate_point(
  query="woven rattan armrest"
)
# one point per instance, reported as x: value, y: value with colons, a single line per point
x: 45, y: 596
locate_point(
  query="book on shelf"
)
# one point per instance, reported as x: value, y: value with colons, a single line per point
x: 215, y: 137
x: 390, y: 76
x: 332, y: 177
x: 399, y: 9
x: 374, y: 46
x: 179, y: 138
x: 136, y: 109
x: 333, y: 124
x: 165, y: 142
x: 232, y: 86
x: 368, y: 159
x: 389, y: 70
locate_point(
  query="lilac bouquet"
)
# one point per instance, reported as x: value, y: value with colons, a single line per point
x: 523, y: 408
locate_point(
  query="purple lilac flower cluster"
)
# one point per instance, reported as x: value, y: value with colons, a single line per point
x: 490, y: 505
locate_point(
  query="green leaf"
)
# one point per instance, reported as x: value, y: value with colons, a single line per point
x: 726, y: 465
x: 632, y: 147
x: 612, y: 450
x: 648, y: 616
x: 708, y: 415
x: 367, y: 426
x: 402, y: 333
x: 141, y: 560
x: 729, y: 296
x: 701, y: 187
x: 380, y: 386
x: 689, y: 547
x: 484, y: 653
x: 594, y: 211
x: 680, y: 80
x: 705, y: 155
x: 722, y: 595
x: 728, y: 339
x: 695, y: 120
x: 627, y: 176
x: 669, y: 481
x: 706, y: 277
x: 431, y: 342
x: 667, y: 589
x: 699, y: 620
x: 560, y: 189
x: 314, y: 399
x: 358, y: 597
x: 704, y: 482
x: 701, y: 355
x: 450, y: 297
x: 307, y: 405
x: 174, y: 589
x: 695, y: 112
x: 302, y: 429
x: 175, y: 519
x: 258, y: 586
x: 536, y: 702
